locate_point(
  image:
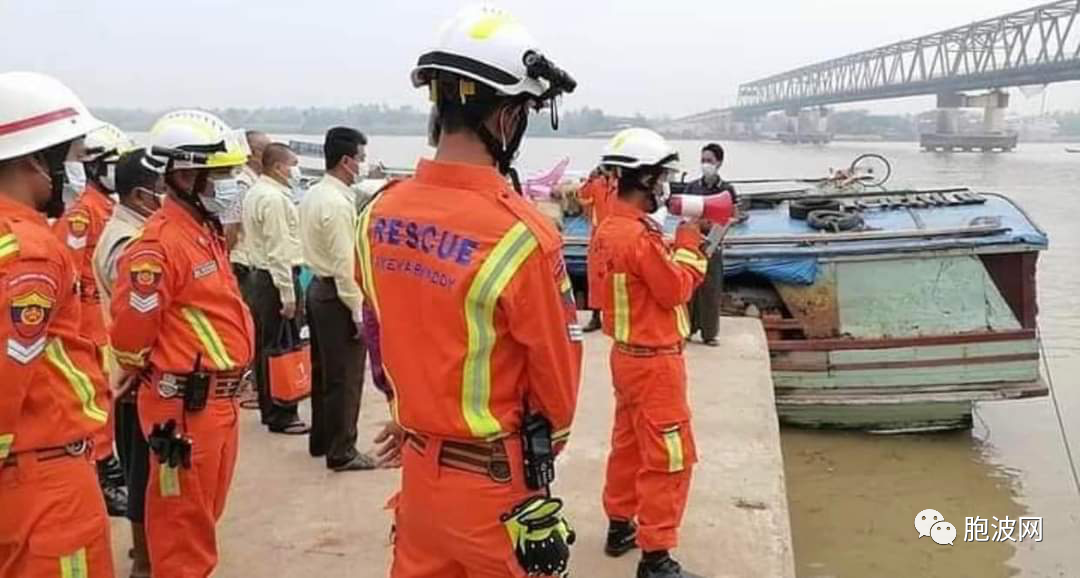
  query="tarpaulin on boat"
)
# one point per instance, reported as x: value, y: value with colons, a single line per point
x: 792, y: 271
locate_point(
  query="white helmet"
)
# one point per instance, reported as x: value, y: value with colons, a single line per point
x: 38, y: 112
x: 107, y: 144
x: 635, y: 148
x: 193, y: 139
x: 490, y: 46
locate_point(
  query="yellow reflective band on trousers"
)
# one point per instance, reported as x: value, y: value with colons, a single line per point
x: 682, y: 319
x: 80, y: 382
x: 674, y: 450
x: 492, y: 278
x: 6, y: 441
x: 74, y: 566
x: 168, y: 481
x: 209, y: 338
x: 688, y: 257
x: 622, y: 308
x: 9, y: 245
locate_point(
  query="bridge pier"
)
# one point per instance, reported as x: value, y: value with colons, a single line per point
x: 993, y: 137
x: 806, y: 125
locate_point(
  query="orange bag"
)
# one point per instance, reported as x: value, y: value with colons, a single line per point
x: 290, y: 366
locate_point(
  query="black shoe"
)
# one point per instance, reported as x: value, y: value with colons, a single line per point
x: 594, y: 324
x: 116, y: 500
x: 359, y: 463
x: 665, y: 567
x: 621, y: 538
x: 111, y: 471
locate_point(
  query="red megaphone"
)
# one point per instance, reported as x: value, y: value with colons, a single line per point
x: 716, y: 209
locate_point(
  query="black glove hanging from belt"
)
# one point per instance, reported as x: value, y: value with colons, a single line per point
x: 540, y: 535
x: 170, y: 446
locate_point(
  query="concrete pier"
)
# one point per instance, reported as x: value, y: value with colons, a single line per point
x: 288, y: 517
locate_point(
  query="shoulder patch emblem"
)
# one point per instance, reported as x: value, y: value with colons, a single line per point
x: 30, y: 311
x: 78, y: 227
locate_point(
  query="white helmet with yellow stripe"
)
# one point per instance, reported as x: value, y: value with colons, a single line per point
x: 193, y: 139
x: 638, y: 148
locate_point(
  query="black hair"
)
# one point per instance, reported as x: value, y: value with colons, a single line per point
x: 716, y: 150
x: 341, y: 142
x: 275, y: 152
x: 133, y: 171
x: 641, y: 179
x: 463, y: 101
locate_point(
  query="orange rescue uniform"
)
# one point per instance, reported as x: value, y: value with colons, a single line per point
x: 645, y: 288
x: 79, y: 229
x: 599, y: 195
x: 477, y: 319
x: 176, y: 305
x: 52, y: 515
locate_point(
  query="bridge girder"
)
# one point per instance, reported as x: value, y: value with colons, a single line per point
x: 1039, y: 45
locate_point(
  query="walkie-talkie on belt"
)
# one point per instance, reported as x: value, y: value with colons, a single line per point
x: 539, y: 451
x: 197, y: 387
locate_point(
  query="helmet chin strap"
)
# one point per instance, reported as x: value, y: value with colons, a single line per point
x: 503, y: 152
x: 190, y: 196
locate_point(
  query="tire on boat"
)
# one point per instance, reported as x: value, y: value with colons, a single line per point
x: 834, y: 221
x: 802, y: 208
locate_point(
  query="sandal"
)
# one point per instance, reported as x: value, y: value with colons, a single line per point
x: 296, y: 428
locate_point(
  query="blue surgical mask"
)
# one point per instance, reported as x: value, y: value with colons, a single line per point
x: 226, y: 191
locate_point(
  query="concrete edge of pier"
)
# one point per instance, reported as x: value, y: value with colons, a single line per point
x: 290, y: 517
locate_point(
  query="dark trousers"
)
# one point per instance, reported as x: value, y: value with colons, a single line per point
x: 266, y: 310
x: 134, y: 454
x: 337, y: 374
x: 705, y: 306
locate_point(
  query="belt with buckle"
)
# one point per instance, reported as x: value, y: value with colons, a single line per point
x: 223, y: 386
x: 477, y: 457
x: 642, y: 351
x: 71, y: 450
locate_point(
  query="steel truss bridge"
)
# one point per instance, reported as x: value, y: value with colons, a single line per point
x: 1036, y: 46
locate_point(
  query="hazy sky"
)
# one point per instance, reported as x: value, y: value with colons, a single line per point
x: 651, y: 56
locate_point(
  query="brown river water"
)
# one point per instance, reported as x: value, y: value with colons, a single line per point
x: 854, y: 497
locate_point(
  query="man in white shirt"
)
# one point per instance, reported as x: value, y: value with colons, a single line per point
x: 334, y: 303
x: 271, y: 231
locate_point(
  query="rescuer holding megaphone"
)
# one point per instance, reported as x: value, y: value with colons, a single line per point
x: 645, y: 286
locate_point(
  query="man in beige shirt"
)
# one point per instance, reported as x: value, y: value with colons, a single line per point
x: 271, y: 231
x: 334, y: 303
x: 232, y: 219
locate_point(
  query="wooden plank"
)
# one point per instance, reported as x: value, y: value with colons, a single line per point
x: 888, y: 343
x: 912, y: 297
x: 883, y: 396
x: 961, y: 361
x: 966, y: 373
x: 966, y: 350
x: 976, y: 231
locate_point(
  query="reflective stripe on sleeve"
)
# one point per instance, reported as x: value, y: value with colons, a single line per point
x: 9, y: 245
x: 209, y: 338
x: 492, y: 278
x: 688, y: 257
x: 622, y: 308
x: 682, y: 320
x: 6, y: 441
x: 79, y: 381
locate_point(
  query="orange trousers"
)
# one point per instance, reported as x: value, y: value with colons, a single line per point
x: 183, y: 506
x: 652, y: 447
x: 447, y: 520
x: 104, y: 437
x: 52, y: 520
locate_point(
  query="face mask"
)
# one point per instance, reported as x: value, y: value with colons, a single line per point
x: 74, y: 181
x: 225, y: 192
x: 363, y: 169
x: 295, y: 177
x: 709, y: 169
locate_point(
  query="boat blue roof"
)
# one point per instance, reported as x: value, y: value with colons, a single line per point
x: 1016, y: 228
